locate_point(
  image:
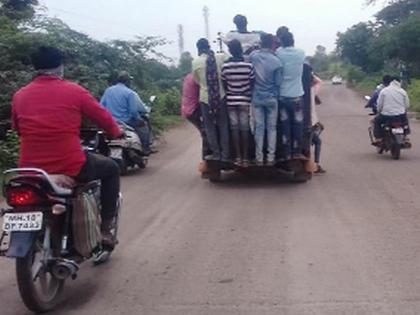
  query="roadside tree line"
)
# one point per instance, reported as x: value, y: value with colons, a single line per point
x: 93, y: 64
x: 388, y: 44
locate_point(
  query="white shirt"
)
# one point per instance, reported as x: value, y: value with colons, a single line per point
x: 248, y: 40
x: 393, y: 100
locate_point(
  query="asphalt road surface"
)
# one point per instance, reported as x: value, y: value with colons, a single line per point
x: 348, y: 242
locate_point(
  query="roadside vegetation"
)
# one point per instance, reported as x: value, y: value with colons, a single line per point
x: 388, y: 45
x: 91, y: 63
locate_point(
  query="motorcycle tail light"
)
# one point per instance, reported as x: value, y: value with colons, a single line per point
x: 24, y: 196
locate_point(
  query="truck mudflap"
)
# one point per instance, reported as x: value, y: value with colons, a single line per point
x: 20, y: 244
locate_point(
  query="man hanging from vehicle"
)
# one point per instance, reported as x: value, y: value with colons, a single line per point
x: 207, y: 73
x: 126, y: 106
x: 291, y: 113
x: 238, y: 79
x: 47, y: 114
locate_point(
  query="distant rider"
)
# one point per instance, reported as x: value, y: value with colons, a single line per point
x: 393, y: 104
x: 126, y: 106
x: 48, y: 114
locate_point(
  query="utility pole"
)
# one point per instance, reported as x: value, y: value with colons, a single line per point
x: 206, y: 14
x: 180, y: 39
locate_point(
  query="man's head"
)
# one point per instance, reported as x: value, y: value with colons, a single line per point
x: 387, y: 79
x: 241, y: 23
x: 125, y: 78
x: 235, y: 48
x: 203, y: 46
x: 396, y: 78
x: 287, y: 39
x: 47, y: 59
x: 267, y: 41
x: 282, y: 30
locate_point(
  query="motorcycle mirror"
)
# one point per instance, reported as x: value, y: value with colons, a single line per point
x: 152, y: 98
x: 367, y: 97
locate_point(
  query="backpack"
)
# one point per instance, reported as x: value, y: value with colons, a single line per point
x: 86, y: 224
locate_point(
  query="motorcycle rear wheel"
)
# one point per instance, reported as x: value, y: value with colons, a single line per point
x: 396, y: 151
x: 39, y: 293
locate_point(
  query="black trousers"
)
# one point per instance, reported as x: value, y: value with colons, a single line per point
x: 382, y: 119
x: 99, y: 167
x: 197, y: 120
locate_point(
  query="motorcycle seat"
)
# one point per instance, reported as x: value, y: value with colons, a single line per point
x: 59, y: 185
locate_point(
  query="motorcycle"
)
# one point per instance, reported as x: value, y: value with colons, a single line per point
x: 394, y: 140
x: 40, y: 233
x: 127, y: 152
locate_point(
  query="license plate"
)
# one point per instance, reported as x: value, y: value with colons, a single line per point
x: 397, y: 131
x: 22, y: 222
x: 116, y: 153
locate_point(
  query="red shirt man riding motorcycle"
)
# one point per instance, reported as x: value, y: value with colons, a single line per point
x: 47, y: 114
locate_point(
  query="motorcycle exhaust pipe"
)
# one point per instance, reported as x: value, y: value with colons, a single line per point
x: 65, y: 269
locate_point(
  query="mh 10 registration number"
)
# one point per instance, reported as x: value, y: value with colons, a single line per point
x: 22, y: 222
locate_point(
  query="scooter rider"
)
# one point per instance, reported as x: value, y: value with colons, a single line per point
x: 126, y: 106
x: 47, y: 114
x: 393, y: 103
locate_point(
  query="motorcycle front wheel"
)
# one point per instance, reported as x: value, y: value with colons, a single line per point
x: 39, y: 289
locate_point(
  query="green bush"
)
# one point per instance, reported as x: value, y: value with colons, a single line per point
x: 9, y: 150
x: 354, y: 75
x: 414, y: 93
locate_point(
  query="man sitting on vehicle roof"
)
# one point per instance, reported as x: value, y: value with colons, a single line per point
x: 249, y: 40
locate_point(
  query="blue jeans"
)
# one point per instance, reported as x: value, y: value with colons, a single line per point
x: 265, y: 114
x: 143, y: 131
x: 291, y: 120
x: 317, y: 142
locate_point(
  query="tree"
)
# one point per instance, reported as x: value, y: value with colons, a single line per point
x: 320, y: 60
x: 356, y: 46
x: 185, y: 63
x: 18, y: 9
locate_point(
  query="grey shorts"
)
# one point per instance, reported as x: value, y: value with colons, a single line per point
x: 239, y: 117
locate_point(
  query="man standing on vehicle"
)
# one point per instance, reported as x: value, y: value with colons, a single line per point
x: 207, y: 73
x: 238, y: 80
x: 126, y: 106
x: 264, y: 98
x: 290, y: 96
x: 393, y: 104
x: 47, y: 114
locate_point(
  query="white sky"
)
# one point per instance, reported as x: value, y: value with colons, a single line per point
x: 313, y: 22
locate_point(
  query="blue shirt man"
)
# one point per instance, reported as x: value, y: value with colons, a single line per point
x: 126, y: 106
x: 291, y: 60
x: 290, y: 97
x: 122, y: 102
x: 267, y: 69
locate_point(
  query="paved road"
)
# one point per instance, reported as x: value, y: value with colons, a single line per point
x: 344, y: 243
